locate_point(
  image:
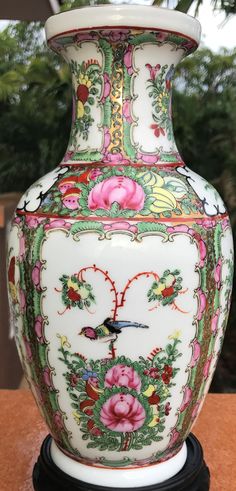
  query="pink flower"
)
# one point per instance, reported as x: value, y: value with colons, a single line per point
x: 206, y: 367
x: 188, y: 45
x: 47, y: 376
x: 174, y: 437
x: 196, y: 353
x: 202, y: 304
x: 161, y: 35
x: 38, y: 327
x: 148, y: 159
x: 128, y: 59
x: 217, y: 273
x: 122, y: 413
x: 188, y: 393
x: 123, y: 376
x: 206, y: 222
x: 83, y: 37
x: 68, y: 155
x: 107, y: 139
x: 115, y: 35
x: 153, y: 70
x: 196, y: 409
x: 32, y: 221
x: 214, y: 322
x: 121, y: 226
x: 225, y: 223
x: 122, y: 190
x: 36, y: 271
x: 202, y: 251
x: 179, y: 228
x: 57, y: 417
x: 59, y: 223
x: 94, y: 174
x: 127, y: 111
x: 106, y: 87
x: 114, y: 158
x: 22, y: 300
x: 17, y: 220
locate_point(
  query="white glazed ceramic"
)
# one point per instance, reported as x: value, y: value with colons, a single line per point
x: 120, y: 260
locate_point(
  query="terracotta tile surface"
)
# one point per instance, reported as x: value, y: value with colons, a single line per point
x: 22, y: 431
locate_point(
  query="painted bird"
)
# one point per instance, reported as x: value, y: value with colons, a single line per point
x: 108, y: 328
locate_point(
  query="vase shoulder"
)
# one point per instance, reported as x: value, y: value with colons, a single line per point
x: 121, y: 191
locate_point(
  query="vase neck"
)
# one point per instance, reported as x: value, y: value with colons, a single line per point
x: 122, y: 82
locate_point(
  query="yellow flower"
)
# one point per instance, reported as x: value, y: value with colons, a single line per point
x: 84, y: 80
x: 80, y: 109
x: 149, y: 391
x: 72, y: 284
x: 64, y: 341
x: 161, y: 102
x: 76, y: 417
x: 159, y: 288
x: 175, y: 335
x: 13, y: 292
x: 154, y: 421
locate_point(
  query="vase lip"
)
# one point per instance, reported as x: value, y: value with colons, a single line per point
x: 125, y: 16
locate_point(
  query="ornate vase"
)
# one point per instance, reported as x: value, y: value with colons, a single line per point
x: 120, y: 260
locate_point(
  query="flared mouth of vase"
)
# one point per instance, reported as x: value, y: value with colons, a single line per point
x: 123, y: 16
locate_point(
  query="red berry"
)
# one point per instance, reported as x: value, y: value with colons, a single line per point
x: 154, y: 399
x: 167, y: 292
x: 82, y: 93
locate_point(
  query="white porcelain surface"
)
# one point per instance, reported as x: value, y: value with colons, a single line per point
x: 123, y: 15
x: 132, y: 478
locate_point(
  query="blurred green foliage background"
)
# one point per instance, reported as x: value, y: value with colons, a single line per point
x: 35, y: 113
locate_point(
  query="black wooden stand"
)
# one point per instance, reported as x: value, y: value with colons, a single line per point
x: 194, y: 476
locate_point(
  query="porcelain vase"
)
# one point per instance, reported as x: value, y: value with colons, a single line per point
x: 120, y: 260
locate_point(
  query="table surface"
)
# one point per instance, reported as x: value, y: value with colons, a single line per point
x: 22, y: 431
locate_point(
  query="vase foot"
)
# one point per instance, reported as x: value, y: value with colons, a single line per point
x: 194, y: 476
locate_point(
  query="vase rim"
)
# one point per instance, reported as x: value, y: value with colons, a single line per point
x: 125, y: 16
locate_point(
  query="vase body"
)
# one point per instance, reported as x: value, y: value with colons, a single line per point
x: 120, y: 261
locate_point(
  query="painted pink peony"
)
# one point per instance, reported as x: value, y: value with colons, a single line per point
x: 123, y: 376
x: 122, y: 413
x: 123, y: 190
